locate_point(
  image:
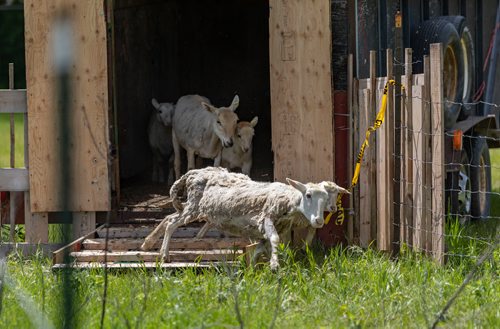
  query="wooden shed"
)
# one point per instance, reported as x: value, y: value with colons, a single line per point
x: 275, y: 54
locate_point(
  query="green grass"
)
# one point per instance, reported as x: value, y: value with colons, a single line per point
x: 344, y: 289
x: 5, y: 140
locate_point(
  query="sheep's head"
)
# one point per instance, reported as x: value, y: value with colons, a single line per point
x: 333, y: 191
x: 313, y: 202
x: 164, y: 111
x: 226, y: 119
x: 244, y: 134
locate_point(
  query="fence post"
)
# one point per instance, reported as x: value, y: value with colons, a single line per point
x: 12, y: 195
x: 438, y: 173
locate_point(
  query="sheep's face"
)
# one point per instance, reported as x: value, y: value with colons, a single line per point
x: 244, y: 134
x: 313, y: 202
x: 333, y: 191
x: 226, y: 120
x: 164, y: 112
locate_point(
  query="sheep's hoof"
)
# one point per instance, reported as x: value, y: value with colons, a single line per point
x: 274, y: 266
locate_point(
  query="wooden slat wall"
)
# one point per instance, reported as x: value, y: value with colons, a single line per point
x: 89, y: 143
x: 301, y: 89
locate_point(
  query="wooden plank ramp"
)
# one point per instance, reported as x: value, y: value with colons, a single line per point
x: 123, y: 248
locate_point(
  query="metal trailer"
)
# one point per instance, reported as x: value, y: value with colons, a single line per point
x: 470, y: 37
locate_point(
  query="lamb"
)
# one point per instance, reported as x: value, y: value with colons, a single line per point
x: 240, y: 154
x: 202, y: 129
x: 233, y: 203
x: 160, y: 140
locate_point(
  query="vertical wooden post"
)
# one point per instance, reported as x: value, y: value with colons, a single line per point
x: 37, y: 226
x: 12, y: 195
x: 418, y: 166
x: 348, y: 214
x: 384, y: 179
x: 356, y: 112
x: 83, y: 223
x: 427, y: 214
x: 390, y: 118
x: 438, y: 172
x: 364, y: 182
x: 371, y: 151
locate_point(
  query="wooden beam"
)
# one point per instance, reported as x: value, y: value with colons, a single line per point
x: 125, y: 244
x: 13, y: 101
x: 364, y: 175
x: 418, y: 167
x: 389, y: 123
x: 427, y: 214
x: 83, y: 223
x: 37, y: 228
x: 151, y: 256
x: 14, y: 179
x: 58, y: 255
x: 350, y: 151
x: 438, y: 172
x: 370, y: 152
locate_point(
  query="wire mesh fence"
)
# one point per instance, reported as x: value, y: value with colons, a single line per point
x: 429, y: 183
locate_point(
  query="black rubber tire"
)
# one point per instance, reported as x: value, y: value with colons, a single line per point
x: 480, y: 175
x: 469, y: 62
x: 438, y: 30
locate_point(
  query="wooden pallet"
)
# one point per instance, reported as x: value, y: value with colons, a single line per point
x: 124, y: 241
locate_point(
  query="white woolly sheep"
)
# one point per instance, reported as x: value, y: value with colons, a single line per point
x: 160, y: 141
x: 233, y: 203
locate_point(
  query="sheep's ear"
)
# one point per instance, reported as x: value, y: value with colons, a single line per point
x: 254, y: 121
x: 235, y: 103
x: 155, y: 103
x: 298, y: 185
x: 209, y: 107
x: 332, y: 187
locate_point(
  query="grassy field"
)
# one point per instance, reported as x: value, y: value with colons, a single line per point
x: 337, y: 288
x: 349, y: 288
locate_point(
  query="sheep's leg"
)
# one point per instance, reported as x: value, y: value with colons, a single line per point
x: 155, y: 235
x: 218, y: 159
x: 170, y: 179
x: 177, y: 155
x: 203, y: 230
x: 245, y: 169
x: 259, y: 250
x: 311, y: 231
x: 190, y: 158
x: 274, y: 239
x: 169, y: 230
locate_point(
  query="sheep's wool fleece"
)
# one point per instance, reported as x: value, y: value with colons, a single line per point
x: 234, y: 203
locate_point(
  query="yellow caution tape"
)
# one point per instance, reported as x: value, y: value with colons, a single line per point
x: 378, y: 122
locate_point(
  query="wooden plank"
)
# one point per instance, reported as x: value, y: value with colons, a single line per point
x: 301, y: 89
x: 13, y: 101
x: 58, y: 255
x: 152, y: 256
x: 89, y: 122
x: 355, y: 149
x: 381, y: 189
x: 370, y: 152
x: 350, y: 151
x: 147, y: 265
x: 83, y: 223
x: 427, y: 214
x: 175, y: 243
x: 418, y: 167
x: 134, y: 231
x: 12, y: 129
x: 37, y: 228
x: 364, y: 175
x: 438, y: 172
x: 14, y: 179
x: 390, y: 117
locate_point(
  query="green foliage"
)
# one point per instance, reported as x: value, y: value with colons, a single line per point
x: 12, y: 47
